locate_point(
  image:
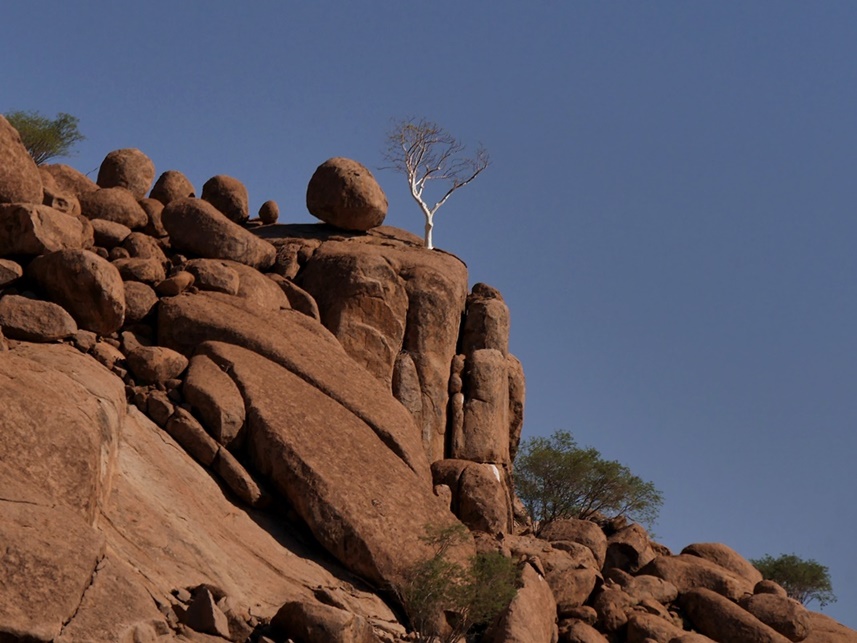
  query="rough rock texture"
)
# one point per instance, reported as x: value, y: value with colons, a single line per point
x: 86, y: 285
x: 171, y: 186
x: 35, y: 229
x: 34, y: 320
x: 114, y: 204
x: 785, y: 615
x: 269, y: 212
x: 686, y: 572
x: 531, y: 617
x: 381, y: 294
x: 197, y: 227
x: 720, y: 619
x: 69, y: 180
x: 20, y: 181
x: 584, y: 532
x: 824, y: 629
x: 343, y: 193
x: 725, y: 557
x: 229, y: 196
x: 216, y: 398
x: 127, y: 168
x: 313, y: 621
x: 479, y: 494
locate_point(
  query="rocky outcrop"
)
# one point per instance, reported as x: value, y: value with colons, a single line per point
x: 229, y: 196
x: 196, y: 449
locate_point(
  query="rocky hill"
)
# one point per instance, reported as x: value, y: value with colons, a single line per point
x: 222, y: 428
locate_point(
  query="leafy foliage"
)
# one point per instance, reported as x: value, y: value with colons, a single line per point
x: 45, y: 138
x: 557, y: 479
x: 803, y: 580
x: 424, y: 151
x: 470, y: 596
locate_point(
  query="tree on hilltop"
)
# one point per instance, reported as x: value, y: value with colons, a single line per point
x: 424, y: 151
x: 555, y: 478
x: 803, y: 580
x: 43, y: 137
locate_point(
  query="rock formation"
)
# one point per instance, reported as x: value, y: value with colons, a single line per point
x: 220, y: 429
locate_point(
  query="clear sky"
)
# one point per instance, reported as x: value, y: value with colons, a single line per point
x: 669, y: 213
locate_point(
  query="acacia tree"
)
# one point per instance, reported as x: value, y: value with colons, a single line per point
x: 424, y: 151
x: 555, y: 478
x: 803, y: 580
x: 43, y: 137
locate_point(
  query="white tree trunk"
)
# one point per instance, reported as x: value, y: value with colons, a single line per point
x: 429, y: 226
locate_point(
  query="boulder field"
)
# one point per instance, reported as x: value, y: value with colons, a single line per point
x: 223, y: 428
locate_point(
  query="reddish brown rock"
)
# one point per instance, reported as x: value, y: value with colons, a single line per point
x: 10, y: 271
x: 50, y: 555
x: 220, y: 275
x: 787, y: 616
x: 719, y: 618
x: 175, y: 285
x: 314, y: 621
x: 269, y: 212
x: 142, y: 246
x: 406, y: 384
x: 140, y: 300
x: 363, y: 503
x: 629, y: 549
x: 61, y: 420
x: 86, y: 285
x: 584, y: 532
x: 109, y: 234
x: 229, y: 196
x: 727, y: 558
x: 517, y: 397
x: 571, y: 587
x: 216, y: 399
x: 154, y: 364
x: 579, y: 632
x: 69, y: 180
x: 299, y: 299
x: 147, y: 271
x: 33, y: 320
x: 114, y: 204
x: 36, y: 229
x: 20, y: 181
x: 824, y: 629
x: 203, y: 614
x: 686, y: 572
x: 485, y: 432
x: 649, y: 627
x: 480, y: 497
x: 127, y: 168
x: 343, y: 193
x: 189, y: 433
x: 613, y: 605
x: 531, y: 616
x: 171, y: 186
x: 486, y: 321
x: 382, y: 293
x: 153, y: 209
x: 197, y: 227
x: 63, y: 201
x: 300, y: 345
x: 238, y: 479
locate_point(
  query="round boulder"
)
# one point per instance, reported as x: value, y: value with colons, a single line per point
x: 171, y: 186
x: 114, y: 204
x: 20, y: 181
x: 269, y: 212
x: 127, y: 168
x: 343, y: 193
x: 229, y: 196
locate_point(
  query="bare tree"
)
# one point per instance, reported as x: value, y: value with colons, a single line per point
x: 423, y: 151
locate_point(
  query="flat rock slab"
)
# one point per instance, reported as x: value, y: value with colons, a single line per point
x: 34, y: 320
x: 362, y: 503
x: 49, y: 558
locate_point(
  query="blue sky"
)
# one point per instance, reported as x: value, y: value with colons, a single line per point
x: 669, y: 212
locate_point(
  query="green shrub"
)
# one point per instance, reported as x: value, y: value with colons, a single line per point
x: 803, y: 580
x: 555, y: 478
x: 45, y: 138
x: 466, y: 597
